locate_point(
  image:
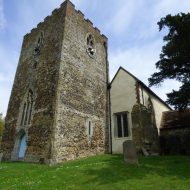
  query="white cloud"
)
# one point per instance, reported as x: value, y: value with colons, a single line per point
x: 7, y: 72
x: 135, y: 25
x: 28, y: 15
x: 165, y: 88
x: 130, y: 25
x: 165, y: 7
x: 123, y: 16
x: 136, y: 59
x: 138, y: 19
x: 2, y: 16
x: 140, y: 61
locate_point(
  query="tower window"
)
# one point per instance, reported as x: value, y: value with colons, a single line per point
x: 89, y: 128
x: 90, y: 46
x: 39, y: 44
x: 27, y: 109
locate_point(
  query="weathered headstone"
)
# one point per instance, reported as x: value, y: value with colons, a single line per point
x: 130, y: 152
x: 1, y: 156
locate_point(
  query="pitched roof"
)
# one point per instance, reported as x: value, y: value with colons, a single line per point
x: 141, y: 83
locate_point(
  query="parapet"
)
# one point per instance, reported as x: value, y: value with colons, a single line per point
x: 80, y: 14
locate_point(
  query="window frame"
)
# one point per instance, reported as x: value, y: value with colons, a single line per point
x: 90, y: 45
x: 27, y: 109
x: 116, y: 135
x: 89, y: 128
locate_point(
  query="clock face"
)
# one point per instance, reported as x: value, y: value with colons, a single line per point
x: 90, y: 46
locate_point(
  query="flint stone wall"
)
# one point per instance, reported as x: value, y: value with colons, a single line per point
x: 82, y: 92
x: 175, y: 133
x: 42, y: 80
x: 69, y: 88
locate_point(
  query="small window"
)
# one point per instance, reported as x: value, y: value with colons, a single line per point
x: 39, y: 43
x: 89, y: 128
x: 121, y: 125
x: 90, y: 46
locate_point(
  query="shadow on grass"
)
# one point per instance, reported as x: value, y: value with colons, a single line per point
x: 99, y: 172
x: 114, y: 170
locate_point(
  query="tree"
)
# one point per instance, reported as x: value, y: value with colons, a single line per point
x: 174, y: 60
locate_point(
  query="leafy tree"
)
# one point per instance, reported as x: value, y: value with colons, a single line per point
x: 1, y: 125
x: 174, y: 60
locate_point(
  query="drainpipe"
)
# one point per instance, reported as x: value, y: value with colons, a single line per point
x: 109, y: 88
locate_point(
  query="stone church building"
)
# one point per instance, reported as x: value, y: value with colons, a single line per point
x: 136, y: 113
x: 61, y: 105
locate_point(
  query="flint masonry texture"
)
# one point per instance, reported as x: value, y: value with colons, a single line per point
x: 69, y: 87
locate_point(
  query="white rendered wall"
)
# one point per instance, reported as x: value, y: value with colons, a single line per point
x: 123, y: 98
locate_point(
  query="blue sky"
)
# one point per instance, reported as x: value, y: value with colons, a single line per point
x: 131, y: 26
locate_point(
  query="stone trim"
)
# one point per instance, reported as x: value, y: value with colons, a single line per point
x: 137, y: 93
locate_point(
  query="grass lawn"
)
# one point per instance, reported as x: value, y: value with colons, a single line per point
x: 99, y: 172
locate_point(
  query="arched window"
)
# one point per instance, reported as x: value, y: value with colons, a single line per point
x: 27, y: 109
x: 90, y: 45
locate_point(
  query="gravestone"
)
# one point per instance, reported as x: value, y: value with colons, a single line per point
x: 130, y: 152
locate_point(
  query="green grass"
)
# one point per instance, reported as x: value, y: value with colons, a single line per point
x: 99, y: 172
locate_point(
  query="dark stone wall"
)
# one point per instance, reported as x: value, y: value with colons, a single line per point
x: 175, y: 141
x: 175, y: 133
x: 144, y: 130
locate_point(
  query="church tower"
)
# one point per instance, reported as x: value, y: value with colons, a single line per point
x: 58, y: 109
